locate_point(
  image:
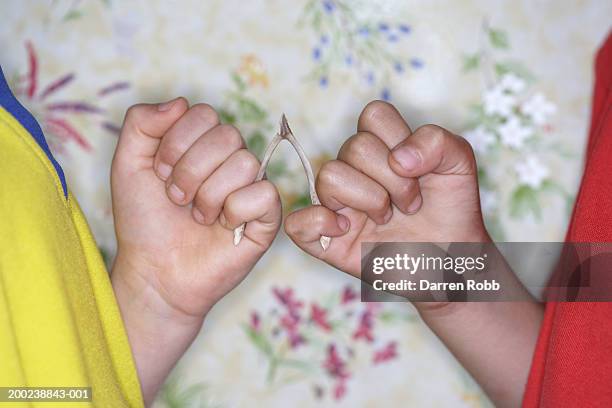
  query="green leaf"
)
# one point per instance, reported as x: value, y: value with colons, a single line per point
x: 227, y: 117
x: 298, y: 364
x: 471, y: 62
x: 276, y: 169
x: 301, y: 202
x: 250, y: 111
x: 524, y: 201
x: 73, y: 15
x: 238, y: 82
x: 514, y: 67
x: 257, y: 143
x: 498, y: 39
x: 260, y: 341
x: 391, y: 317
x: 172, y: 396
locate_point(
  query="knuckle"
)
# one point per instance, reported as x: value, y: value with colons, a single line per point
x: 269, y: 193
x: 206, y: 113
x: 373, y: 111
x: 328, y: 173
x: 292, y: 225
x: 133, y: 112
x: 204, y: 200
x: 231, y: 136
x: 358, y: 145
x: 380, y: 202
x: 168, y: 154
x: 247, y: 161
x: 406, y: 189
x: 434, y: 133
x: 185, y: 172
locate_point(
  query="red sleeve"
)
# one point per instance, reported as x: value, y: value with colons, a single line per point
x: 572, y: 363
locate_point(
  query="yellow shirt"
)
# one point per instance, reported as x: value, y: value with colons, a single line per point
x: 59, y: 322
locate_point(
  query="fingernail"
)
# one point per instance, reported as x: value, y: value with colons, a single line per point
x: 407, y: 158
x: 162, y: 107
x: 176, y: 193
x: 415, y: 205
x: 164, y: 170
x: 343, y: 222
x: 388, y: 215
x: 197, y: 215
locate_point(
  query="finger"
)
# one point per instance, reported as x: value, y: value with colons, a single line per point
x: 340, y: 185
x: 383, y: 120
x: 258, y: 205
x: 193, y: 124
x: 306, y: 226
x: 143, y: 127
x: 203, y: 157
x: 238, y: 171
x: 432, y: 149
x: 369, y: 154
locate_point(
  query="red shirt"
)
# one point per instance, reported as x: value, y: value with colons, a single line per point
x: 572, y: 364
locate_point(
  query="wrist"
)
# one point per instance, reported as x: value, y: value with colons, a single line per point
x: 158, y: 333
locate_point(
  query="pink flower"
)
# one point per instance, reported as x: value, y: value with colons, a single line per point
x: 348, y: 295
x: 319, y: 316
x: 290, y: 321
x: 389, y: 352
x: 291, y: 325
x: 255, y: 321
x: 339, y: 389
x: 336, y: 368
x: 334, y: 364
x: 286, y: 298
x: 366, y: 324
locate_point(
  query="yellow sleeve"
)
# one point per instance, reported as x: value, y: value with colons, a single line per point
x: 59, y: 322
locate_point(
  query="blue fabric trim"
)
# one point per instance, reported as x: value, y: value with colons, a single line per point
x: 12, y: 105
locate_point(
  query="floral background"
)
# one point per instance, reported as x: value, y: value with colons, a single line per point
x: 514, y: 77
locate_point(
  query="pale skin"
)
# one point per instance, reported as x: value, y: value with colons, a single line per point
x: 181, y: 182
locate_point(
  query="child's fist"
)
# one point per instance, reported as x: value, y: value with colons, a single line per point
x: 391, y: 184
x: 181, y: 182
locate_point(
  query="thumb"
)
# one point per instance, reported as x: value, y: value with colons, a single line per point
x: 432, y: 149
x: 144, y: 125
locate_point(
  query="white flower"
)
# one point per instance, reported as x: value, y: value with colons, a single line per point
x: 538, y: 108
x: 531, y: 172
x: 480, y: 139
x: 488, y: 200
x: 512, y: 82
x: 497, y: 101
x: 513, y: 134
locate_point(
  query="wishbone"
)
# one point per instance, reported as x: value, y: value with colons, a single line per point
x: 285, y: 133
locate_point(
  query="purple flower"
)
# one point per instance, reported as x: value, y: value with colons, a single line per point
x: 385, y: 94
x: 392, y: 38
x: 416, y: 63
x: 383, y: 27
x: 404, y: 28
x: 316, y: 53
x: 329, y: 6
x: 363, y: 31
x: 399, y: 67
x: 323, y: 82
x: 370, y: 77
x: 324, y: 39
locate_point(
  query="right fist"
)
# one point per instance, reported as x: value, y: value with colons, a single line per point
x: 391, y: 184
